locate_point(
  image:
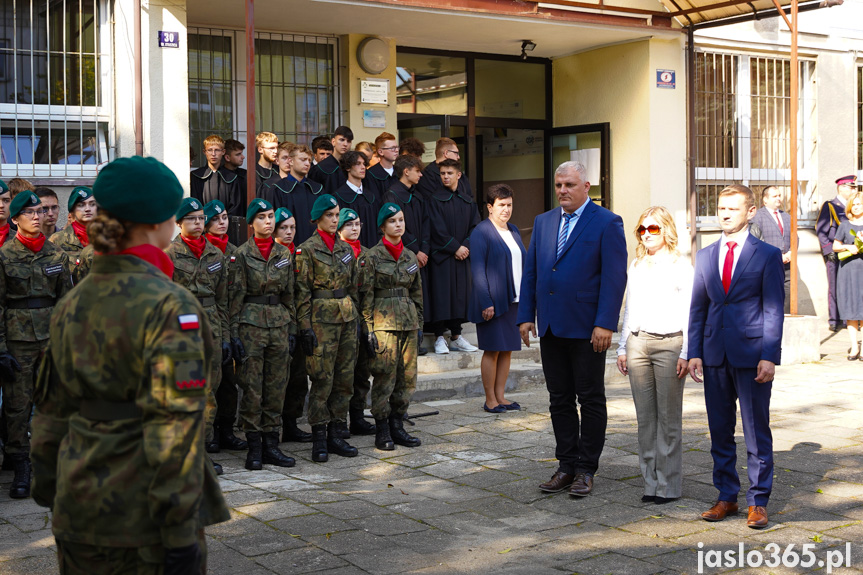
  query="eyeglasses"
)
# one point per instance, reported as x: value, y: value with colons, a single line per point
x: 652, y: 229
x: 456, y: 152
x: 32, y: 213
x: 390, y: 149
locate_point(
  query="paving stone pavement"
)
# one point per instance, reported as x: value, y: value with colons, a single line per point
x: 467, y: 502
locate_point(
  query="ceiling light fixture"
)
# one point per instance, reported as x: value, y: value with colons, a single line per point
x: 527, y: 46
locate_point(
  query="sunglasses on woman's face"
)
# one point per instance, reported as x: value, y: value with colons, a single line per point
x: 652, y: 229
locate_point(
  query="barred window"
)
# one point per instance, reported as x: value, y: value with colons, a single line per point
x: 295, y: 86
x: 54, y: 87
x: 743, y: 125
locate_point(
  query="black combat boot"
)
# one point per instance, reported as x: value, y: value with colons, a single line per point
x: 290, y: 432
x: 319, y: 443
x: 359, y: 425
x: 383, y: 439
x: 400, y: 436
x: 340, y: 429
x: 20, y: 488
x: 272, y: 454
x: 224, y: 430
x: 212, y: 446
x: 254, y: 458
x: 217, y: 467
x: 338, y: 445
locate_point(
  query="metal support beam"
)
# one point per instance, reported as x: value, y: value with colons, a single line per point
x: 250, y: 101
x: 795, y: 106
x: 139, y: 80
x: 782, y: 13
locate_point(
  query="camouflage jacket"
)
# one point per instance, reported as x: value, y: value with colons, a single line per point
x: 23, y: 275
x: 205, y: 277
x: 384, y: 310
x: 83, y: 263
x: 66, y: 240
x: 253, y: 276
x: 118, y: 434
x: 320, y: 269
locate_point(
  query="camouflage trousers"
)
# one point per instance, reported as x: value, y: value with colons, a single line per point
x: 263, y: 377
x: 362, y: 382
x: 81, y: 559
x: 331, y: 369
x: 18, y: 394
x: 395, y: 369
x: 227, y: 395
x: 298, y: 386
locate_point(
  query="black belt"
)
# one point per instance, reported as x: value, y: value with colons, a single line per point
x: 329, y: 293
x: 262, y: 299
x: 207, y: 300
x: 101, y: 410
x: 659, y: 335
x: 31, y: 303
x: 394, y: 292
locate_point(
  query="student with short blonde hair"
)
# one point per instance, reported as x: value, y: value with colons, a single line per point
x: 217, y: 182
x: 267, y: 144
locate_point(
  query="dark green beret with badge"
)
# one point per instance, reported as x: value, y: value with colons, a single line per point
x: 3, y: 187
x: 189, y: 205
x: 22, y: 201
x: 213, y: 209
x: 257, y: 205
x: 138, y: 189
x: 79, y: 194
x: 322, y: 204
x: 347, y: 215
x: 388, y: 210
x: 283, y: 214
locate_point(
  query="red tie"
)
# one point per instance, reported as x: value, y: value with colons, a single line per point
x: 729, y: 266
x: 779, y: 221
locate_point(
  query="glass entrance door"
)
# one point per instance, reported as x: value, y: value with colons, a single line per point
x: 428, y: 129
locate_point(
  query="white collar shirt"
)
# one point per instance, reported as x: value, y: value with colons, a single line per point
x: 738, y: 249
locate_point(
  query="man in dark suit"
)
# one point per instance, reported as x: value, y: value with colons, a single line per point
x: 775, y: 226
x: 572, y: 287
x: 735, y: 339
x: 831, y: 215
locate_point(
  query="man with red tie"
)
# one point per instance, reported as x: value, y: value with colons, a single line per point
x: 775, y: 226
x: 735, y: 338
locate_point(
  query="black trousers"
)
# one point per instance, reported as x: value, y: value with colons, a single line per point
x: 453, y: 325
x: 575, y: 378
x: 832, y: 304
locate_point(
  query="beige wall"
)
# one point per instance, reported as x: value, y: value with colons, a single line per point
x: 352, y: 74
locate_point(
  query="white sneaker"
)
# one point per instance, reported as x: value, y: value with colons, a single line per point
x: 440, y: 345
x: 461, y: 344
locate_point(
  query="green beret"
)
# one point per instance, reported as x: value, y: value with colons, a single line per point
x: 347, y: 215
x: 257, y: 205
x: 23, y: 200
x: 139, y: 190
x: 79, y: 194
x: 388, y: 210
x: 324, y: 203
x: 188, y: 205
x: 3, y: 187
x: 212, y: 209
x: 283, y: 214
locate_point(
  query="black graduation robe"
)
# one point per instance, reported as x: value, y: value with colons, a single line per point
x: 453, y: 217
x: 263, y: 174
x: 223, y: 185
x: 329, y: 174
x: 367, y: 205
x: 417, y: 237
x: 379, y: 180
x: 431, y: 182
x: 298, y: 197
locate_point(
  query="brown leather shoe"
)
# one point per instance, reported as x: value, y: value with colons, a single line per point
x: 757, y: 517
x: 583, y: 485
x: 720, y: 510
x: 558, y: 482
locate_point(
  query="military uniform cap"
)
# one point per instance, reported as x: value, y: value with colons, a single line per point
x: 846, y: 180
x: 21, y: 201
x: 189, y: 205
x: 212, y: 209
x: 347, y: 215
x: 79, y: 194
x: 283, y: 214
x: 388, y: 210
x: 322, y: 204
x: 257, y: 205
x: 138, y: 189
x: 3, y: 187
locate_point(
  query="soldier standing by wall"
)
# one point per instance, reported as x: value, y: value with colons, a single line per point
x: 73, y: 238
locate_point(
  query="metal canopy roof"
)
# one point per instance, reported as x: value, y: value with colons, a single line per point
x: 689, y: 12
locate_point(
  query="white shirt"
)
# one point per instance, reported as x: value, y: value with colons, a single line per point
x: 389, y: 170
x: 658, y: 294
x: 723, y: 249
x: 510, y: 242
x: 575, y: 215
x: 356, y: 189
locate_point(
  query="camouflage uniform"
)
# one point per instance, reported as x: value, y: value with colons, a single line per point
x: 262, y: 315
x: 30, y: 285
x: 227, y: 394
x: 66, y: 240
x: 82, y: 263
x: 118, y: 450
x: 327, y: 303
x: 207, y: 279
x: 393, y: 311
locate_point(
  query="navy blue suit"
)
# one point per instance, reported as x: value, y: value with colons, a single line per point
x: 731, y: 333
x: 491, y: 268
x: 569, y: 296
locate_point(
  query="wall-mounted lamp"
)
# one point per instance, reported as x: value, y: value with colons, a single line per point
x: 527, y: 46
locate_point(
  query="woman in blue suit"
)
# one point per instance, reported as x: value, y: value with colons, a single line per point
x: 496, y: 262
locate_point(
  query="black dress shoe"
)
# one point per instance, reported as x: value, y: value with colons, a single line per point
x: 663, y: 500
x: 648, y: 498
x: 582, y: 485
x: 558, y: 482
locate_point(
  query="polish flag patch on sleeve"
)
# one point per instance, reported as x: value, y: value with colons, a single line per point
x: 189, y: 321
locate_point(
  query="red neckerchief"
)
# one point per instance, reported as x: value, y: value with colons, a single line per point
x: 35, y: 244
x: 265, y: 245
x: 355, y: 245
x: 220, y: 242
x: 197, y: 246
x: 81, y: 231
x: 4, y: 233
x: 152, y: 255
x: 292, y: 247
x: 329, y: 239
x: 394, y: 249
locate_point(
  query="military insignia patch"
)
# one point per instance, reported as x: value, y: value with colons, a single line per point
x: 263, y: 205
x: 218, y: 209
x: 348, y: 257
x: 214, y: 267
x: 53, y: 270
x: 413, y: 269
x: 82, y: 193
x: 189, y: 321
x: 282, y: 263
x: 191, y: 383
x: 299, y: 251
x: 195, y: 205
x: 233, y: 259
x: 393, y: 210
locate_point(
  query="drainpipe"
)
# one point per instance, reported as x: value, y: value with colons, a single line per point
x: 690, y: 163
x: 139, y: 81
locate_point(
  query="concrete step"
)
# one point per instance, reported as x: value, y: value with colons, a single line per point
x: 460, y: 360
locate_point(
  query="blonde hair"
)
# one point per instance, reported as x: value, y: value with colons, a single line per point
x: 850, y: 202
x: 669, y: 231
x: 214, y: 140
x: 265, y: 138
